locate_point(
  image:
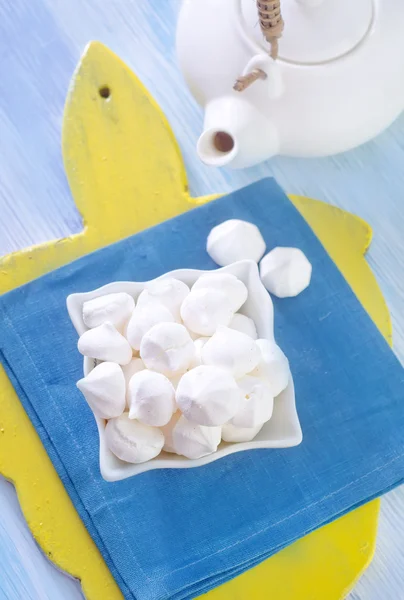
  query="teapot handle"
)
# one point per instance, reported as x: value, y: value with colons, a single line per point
x: 271, y: 23
x: 262, y: 66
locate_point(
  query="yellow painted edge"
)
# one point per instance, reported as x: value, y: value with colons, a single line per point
x: 347, y: 251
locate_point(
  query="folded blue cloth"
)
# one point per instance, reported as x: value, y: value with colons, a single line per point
x: 174, y: 534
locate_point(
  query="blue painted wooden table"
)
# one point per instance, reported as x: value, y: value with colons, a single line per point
x: 40, y: 44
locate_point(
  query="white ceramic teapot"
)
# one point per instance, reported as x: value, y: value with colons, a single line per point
x: 337, y: 82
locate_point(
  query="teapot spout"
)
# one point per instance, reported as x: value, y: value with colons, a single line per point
x: 236, y: 134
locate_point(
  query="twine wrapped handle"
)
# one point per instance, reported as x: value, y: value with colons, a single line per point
x: 271, y: 23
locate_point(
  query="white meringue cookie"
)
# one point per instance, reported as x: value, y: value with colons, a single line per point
x: 244, y: 324
x: 144, y: 318
x: 208, y: 396
x: 194, y: 441
x: 204, y: 310
x: 167, y: 348
x: 235, y: 240
x: 168, y: 433
x: 232, y: 350
x: 132, y: 441
x: 227, y: 283
x: 199, y: 344
x: 239, y: 434
x: 151, y: 398
x: 258, y: 403
x: 169, y: 292
x: 273, y: 367
x: 105, y: 343
x: 104, y: 390
x: 285, y: 272
x: 115, y: 308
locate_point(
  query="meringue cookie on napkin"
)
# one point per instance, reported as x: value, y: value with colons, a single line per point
x: 285, y: 272
x: 235, y: 240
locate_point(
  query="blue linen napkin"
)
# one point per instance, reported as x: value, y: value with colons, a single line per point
x: 174, y: 534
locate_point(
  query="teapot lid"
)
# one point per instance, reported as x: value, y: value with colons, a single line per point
x: 316, y: 31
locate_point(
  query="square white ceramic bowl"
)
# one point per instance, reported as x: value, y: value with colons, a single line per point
x: 282, y: 431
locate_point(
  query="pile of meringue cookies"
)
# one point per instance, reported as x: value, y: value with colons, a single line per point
x: 181, y: 369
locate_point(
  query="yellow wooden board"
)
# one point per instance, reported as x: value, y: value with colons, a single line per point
x: 126, y: 173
